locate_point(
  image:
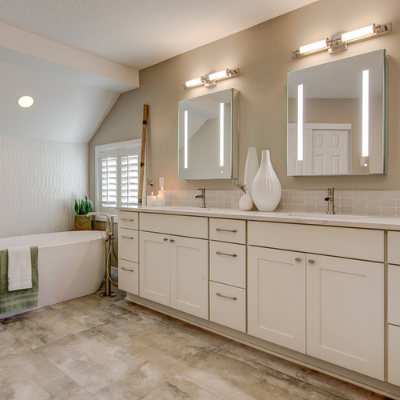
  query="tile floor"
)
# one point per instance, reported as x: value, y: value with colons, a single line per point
x: 98, y: 348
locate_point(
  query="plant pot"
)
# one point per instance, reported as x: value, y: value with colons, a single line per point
x: 246, y: 203
x: 84, y: 222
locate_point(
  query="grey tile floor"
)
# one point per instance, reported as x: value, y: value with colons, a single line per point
x: 109, y: 348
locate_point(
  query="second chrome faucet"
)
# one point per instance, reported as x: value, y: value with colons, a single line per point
x: 203, y: 197
x: 331, y: 200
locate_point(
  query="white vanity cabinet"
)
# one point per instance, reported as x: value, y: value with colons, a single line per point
x: 128, y: 252
x: 394, y: 308
x: 340, y: 297
x: 345, y: 313
x: 174, y: 269
x: 228, y: 273
x: 277, y: 297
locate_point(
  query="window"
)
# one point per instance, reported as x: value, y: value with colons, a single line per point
x: 117, y: 175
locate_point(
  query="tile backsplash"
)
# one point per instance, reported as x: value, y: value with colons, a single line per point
x: 358, y: 202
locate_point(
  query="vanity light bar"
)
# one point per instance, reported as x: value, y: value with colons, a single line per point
x: 209, y: 80
x: 339, y: 42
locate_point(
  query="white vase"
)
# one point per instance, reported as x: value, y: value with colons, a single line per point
x: 266, y: 189
x: 250, y: 169
x: 246, y: 202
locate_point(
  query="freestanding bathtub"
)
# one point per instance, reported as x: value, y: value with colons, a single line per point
x: 71, y: 264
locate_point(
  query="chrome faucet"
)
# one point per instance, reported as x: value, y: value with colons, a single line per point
x: 202, y: 196
x: 331, y: 200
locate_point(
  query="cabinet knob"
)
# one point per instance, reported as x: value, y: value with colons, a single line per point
x: 172, y: 240
x: 311, y: 261
x: 165, y: 239
x: 297, y: 259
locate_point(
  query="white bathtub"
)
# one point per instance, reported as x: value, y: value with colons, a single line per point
x: 71, y: 264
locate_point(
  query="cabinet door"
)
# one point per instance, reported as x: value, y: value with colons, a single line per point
x: 276, y: 297
x: 154, y: 267
x: 345, y: 313
x: 189, y: 275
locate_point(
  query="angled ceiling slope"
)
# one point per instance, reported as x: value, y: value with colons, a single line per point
x: 73, y: 90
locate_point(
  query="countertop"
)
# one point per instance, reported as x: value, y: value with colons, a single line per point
x: 354, y: 221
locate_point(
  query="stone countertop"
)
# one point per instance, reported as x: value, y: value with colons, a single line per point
x: 353, y: 221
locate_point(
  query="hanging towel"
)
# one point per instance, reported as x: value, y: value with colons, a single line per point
x: 19, y: 268
x: 18, y: 299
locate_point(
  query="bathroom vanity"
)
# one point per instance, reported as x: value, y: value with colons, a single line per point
x: 320, y: 290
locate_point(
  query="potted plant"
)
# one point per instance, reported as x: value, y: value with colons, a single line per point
x: 83, y: 221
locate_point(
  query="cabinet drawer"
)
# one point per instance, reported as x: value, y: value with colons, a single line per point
x: 228, y: 306
x: 128, y: 244
x: 394, y: 247
x: 228, y: 230
x: 128, y: 219
x: 128, y: 278
x: 361, y: 244
x: 394, y: 355
x: 394, y: 294
x: 228, y: 263
x: 196, y: 227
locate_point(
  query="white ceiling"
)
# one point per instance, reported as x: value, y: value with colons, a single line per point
x: 72, y: 98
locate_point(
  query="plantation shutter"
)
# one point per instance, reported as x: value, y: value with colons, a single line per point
x: 109, y: 178
x: 129, y: 169
x: 119, y: 178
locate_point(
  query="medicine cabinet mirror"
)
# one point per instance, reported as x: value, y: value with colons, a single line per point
x: 208, y: 136
x: 336, y: 117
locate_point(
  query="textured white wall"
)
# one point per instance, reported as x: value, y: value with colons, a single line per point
x: 39, y: 181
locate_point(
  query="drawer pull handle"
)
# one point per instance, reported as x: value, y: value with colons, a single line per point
x: 226, y: 230
x: 127, y: 237
x: 311, y: 261
x: 126, y: 269
x: 225, y: 254
x: 298, y: 259
x: 172, y: 240
x: 165, y: 239
x: 127, y: 219
x: 226, y: 297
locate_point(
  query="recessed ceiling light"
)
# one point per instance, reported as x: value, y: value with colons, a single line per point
x: 25, y: 101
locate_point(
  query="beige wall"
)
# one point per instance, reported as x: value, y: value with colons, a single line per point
x: 263, y: 54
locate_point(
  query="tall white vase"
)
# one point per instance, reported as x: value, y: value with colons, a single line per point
x: 266, y: 190
x: 250, y: 169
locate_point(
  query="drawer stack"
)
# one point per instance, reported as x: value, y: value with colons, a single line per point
x: 128, y: 258
x: 228, y: 273
x: 394, y: 308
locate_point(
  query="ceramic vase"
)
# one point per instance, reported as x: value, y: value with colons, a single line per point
x: 266, y: 189
x: 250, y: 169
x: 246, y: 202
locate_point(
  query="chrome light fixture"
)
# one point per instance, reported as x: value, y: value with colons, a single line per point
x: 210, y: 79
x: 339, y: 42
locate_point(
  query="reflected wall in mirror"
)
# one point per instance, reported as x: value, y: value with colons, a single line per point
x: 208, y: 139
x: 336, y: 117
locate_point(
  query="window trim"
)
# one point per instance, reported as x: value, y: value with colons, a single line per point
x: 125, y: 145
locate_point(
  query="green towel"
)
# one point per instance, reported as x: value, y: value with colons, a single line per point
x: 18, y: 299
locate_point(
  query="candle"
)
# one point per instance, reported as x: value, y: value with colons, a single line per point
x: 159, y: 202
x: 151, y: 200
x: 161, y: 195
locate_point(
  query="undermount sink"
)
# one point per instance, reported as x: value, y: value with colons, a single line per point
x: 324, y: 216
